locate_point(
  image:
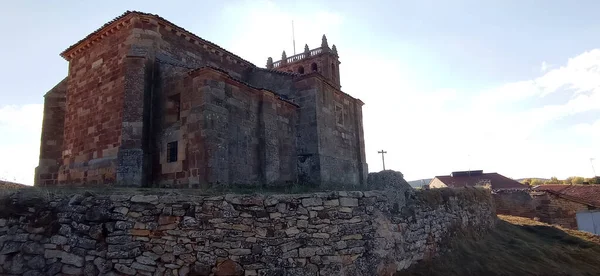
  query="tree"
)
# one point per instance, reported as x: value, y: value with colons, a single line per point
x: 535, y: 182
x: 577, y: 180
x: 553, y: 180
x: 526, y: 181
x: 568, y: 180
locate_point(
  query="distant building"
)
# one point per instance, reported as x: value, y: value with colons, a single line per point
x: 588, y: 195
x: 569, y: 206
x: 475, y: 178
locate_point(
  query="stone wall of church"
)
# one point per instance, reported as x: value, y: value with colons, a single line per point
x: 51, y: 145
x: 94, y: 112
x: 280, y: 82
x: 341, y: 143
x: 117, y: 99
x: 125, y: 232
x: 227, y: 133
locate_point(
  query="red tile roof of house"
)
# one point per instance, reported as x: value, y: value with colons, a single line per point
x: 497, y: 181
x: 586, y: 194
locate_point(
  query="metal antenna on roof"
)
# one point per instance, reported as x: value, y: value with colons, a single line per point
x: 469, y: 163
x: 293, y: 38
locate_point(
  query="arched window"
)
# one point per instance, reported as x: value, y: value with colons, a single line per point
x: 333, y: 70
x: 301, y: 70
x: 313, y: 67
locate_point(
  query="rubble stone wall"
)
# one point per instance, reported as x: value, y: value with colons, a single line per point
x: 519, y: 203
x: 176, y: 233
x: 546, y: 207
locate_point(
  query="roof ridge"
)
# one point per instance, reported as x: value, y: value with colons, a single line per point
x: 279, y: 96
x: 277, y: 71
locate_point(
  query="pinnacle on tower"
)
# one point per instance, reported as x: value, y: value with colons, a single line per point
x: 270, y: 63
x: 283, y: 56
x: 324, y: 42
x: 306, y: 50
x: 334, y: 49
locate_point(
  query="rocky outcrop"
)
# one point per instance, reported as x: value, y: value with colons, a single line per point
x: 387, y: 179
x: 328, y: 233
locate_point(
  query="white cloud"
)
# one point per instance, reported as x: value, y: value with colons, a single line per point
x: 19, y: 144
x: 545, y: 66
x: 588, y: 129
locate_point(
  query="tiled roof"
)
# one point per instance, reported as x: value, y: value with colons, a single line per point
x: 497, y: 181
x: 586, y: 194
x: 277, y: 71
x: 127, y: 13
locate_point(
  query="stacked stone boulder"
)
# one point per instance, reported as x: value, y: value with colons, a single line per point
x: 327, y: 233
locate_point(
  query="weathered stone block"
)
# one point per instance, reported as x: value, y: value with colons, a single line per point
x: 332, y: 202
x: 144, y: 199
x: 125, y: 269
x: 71, y: 270
x: 139, y: 266
x: 307, y: 252
x: 348, y: 201
x: 312, y: 201
x: 240, y: 251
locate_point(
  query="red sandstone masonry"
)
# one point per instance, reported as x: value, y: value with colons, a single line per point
x: 93, y: 119
x: 122, y: 74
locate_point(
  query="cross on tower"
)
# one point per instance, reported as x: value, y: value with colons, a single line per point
x: 382, y: 157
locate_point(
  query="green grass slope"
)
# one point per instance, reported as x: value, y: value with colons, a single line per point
x: 518, y: 246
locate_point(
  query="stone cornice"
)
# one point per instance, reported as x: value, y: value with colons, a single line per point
x: 232, y: 79
x: 125, y: 19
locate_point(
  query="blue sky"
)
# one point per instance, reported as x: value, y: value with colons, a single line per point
x: 505, y: 86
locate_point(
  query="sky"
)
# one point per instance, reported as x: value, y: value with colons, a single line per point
x: 503, y: 86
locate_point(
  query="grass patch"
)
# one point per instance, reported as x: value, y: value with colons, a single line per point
x: 517, y: 246
x: 46, y: 193
x: 437, y: 197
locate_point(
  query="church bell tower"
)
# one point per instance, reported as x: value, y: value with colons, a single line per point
x: 322, y: 60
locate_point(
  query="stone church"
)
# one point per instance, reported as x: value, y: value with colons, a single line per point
x: 146, y: 103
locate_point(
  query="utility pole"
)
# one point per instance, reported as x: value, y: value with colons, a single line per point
x: 382, y: 152
x: 592, y: 162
